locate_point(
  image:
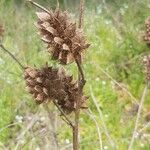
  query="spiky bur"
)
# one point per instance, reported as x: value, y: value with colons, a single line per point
x: 49, y: 84
x: 146, y: 36
x: 65, y: 41
x: 146, y: 62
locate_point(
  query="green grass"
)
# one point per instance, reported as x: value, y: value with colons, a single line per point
x: 116, y: 47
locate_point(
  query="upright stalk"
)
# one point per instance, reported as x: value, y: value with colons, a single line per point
x: 138, y: 116
x: 75, y: 137
x: 81, y: 83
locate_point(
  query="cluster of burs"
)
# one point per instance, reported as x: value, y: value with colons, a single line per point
x: 66, y: 43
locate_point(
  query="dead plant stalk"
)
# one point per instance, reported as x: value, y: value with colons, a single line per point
x: 81, y: 83
x: 138, y: 116
x: 33, y: 75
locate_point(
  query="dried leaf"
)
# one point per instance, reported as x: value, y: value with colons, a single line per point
x: 65, y: 47
x: 39, y: 80
x: 51, y: 30
x: 43, y: 16
x: 46, y: 39
x: 58, y: 40
x: 38, y: 88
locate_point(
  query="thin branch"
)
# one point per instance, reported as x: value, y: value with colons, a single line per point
x: 90, y: 113
x: 82, y: 81
x: 29, y: 140
x: 44, y: 9
x: 23, y: 133
x: 76, y: 126
x: 58, y: 5
x: 30, y: 125
x: 39, y: 6
x: 67, y: 120
x: 81, y: 13
x: 138, y: 116
x: 81, y: 74
x: 82, y: 142
x: 110, y: 77
x: 101, y: 117
x: 55, y: 139
x: 7, y: 51
x: 10, y: 125
x: 145, y: 127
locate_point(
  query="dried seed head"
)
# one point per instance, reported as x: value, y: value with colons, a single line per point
x: 48, y: 83
x: 65, y: 41
x: 32, y: 76
x: 146, y: 63
x: 146, y: 36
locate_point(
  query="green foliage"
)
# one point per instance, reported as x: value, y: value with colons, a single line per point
x: 116, y: 47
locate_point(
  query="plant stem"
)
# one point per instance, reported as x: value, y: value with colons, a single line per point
x: 81, y: 80
x: 76, y: 127
x: 112, y: 143
x: 134, y: 100
x: 145, y: 127
x: 7, y: 51
x: 81, y: 13
x: 75, y: 138
x: 66, y: 119
x: 54, y: 134
x: 138, y: 116
x: 81, y: 83
x: 39, y: 6
x: 57, y: 4
x: 90, y: 113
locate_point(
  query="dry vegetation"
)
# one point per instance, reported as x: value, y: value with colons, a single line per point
x: 116, y: 67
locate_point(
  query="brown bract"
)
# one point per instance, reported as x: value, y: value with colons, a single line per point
x: 65, y: 41
x: 48, y: 84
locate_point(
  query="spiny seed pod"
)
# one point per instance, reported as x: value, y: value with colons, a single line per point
x: 53, y: 84
x: 146, y: 62
x: 36, y: 82
x: 1, y: 30
x: 146, y: 36
x: 65, y: 41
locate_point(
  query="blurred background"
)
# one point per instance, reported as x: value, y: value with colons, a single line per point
x: 112, y: 67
